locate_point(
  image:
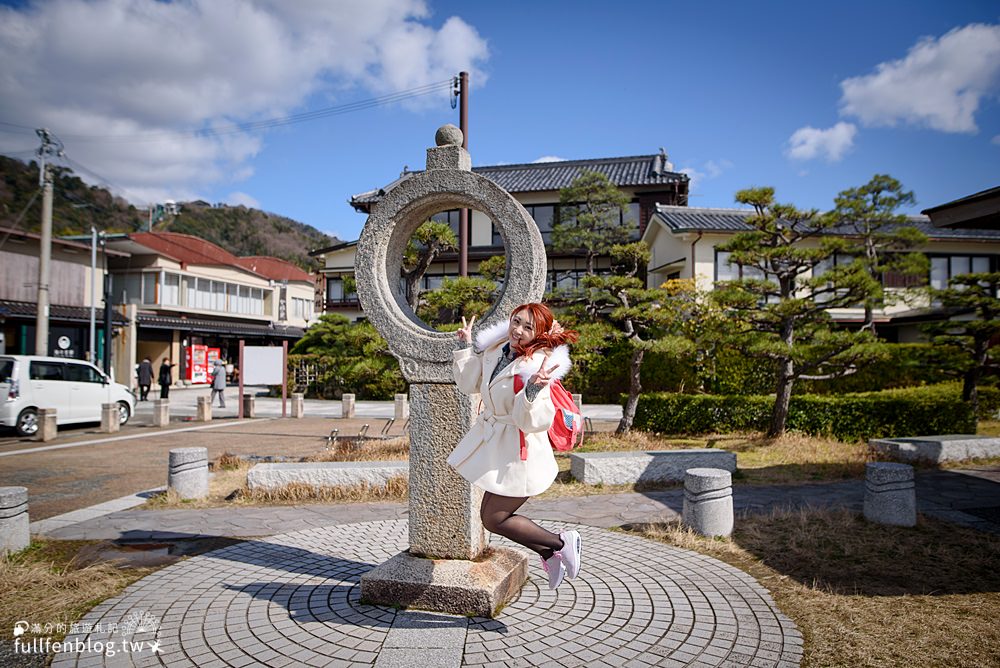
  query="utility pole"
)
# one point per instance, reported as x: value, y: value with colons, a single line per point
x: 93, y: 296
x: 463, y: 214
x: 50, y: 147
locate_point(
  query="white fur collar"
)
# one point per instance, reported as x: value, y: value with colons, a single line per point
x: 497, y: 333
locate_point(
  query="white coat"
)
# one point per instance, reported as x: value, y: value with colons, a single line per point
x: 489, y: 456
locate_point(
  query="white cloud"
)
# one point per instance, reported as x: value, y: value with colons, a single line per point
x: 695, y: 177
x: 118, y: 69
x: 996, y: 140
x: 715, y: 168
x: 238, y: 198
x: 939, y: 84
x: 712, y: 169
x: 549, y: 158
x: 831, y: 144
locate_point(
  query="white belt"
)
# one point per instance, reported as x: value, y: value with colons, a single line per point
x: 489, y: 421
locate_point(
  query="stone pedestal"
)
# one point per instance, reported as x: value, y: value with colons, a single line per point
x: 188, y: 472
x: 347, y: 406
x: 110, y: 422
x: 444, y: 507
x: 708, y: 501
x: 204, y: 409
x: 890, y: 495
x: 578, y: 400
x: 47, y: 427
x: 161, y: 412
x: 402, y: 407
x: 475, y: 588
x: 14, y: 533
x: 248, y: 406
x: 298, y: 405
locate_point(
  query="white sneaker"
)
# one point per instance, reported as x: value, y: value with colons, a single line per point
x: 570, y: 553
x: 556, y: 570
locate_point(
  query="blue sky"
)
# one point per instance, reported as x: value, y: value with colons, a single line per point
x: 810, y: 98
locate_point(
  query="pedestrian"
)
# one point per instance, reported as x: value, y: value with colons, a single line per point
x: 219, y: 383
x: 145, y: 375
x: 491, y: 456
x: 166, y: 378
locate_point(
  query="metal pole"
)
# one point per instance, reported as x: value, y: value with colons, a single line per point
x: 284, y: 376
x: 44, y: 258
x: 107, y: 321
x: 463, y: 214
x: 240, y: 414
x: 93, y: 295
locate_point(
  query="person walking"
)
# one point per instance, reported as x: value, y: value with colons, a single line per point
x: 166, y: 378
x: 145, y: 375
x: 492, y: 455
x: 219, y: 383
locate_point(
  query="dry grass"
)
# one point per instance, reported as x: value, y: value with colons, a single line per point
x: 369, y: 450
x: 395, y: 489
x: 865, y: 594
x: 47, y: 584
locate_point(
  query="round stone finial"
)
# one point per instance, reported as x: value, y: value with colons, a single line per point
x: 448, y: 135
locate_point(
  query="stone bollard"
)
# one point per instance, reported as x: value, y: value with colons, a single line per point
x: 248, y: 406
x: 188, y: 472
x: 14, y: 533
x: 298, y: 404
x: 161, y: 412
x: 890, y: 495
x: 402, y: 407
x: 48, y: 429
x: 204, y: 409
x: 110, y: 422
x: 347, y: 406
x: 578, y: 400
x: 708, y: 501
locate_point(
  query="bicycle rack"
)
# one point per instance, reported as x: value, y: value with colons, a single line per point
x: 331, y: 440
x: 406, y: 425
x: 588, y: 425
x: 387, y: 426
x: 363, y: 434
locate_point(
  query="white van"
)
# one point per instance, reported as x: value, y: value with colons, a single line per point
x: 76, y: 389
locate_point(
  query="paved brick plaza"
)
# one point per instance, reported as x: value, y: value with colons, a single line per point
x: 292, y: 599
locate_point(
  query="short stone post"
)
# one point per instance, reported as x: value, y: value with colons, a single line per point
x: 248, y: 406
x: 890, y: 495
x: 204, y: 409
x: 161, y: 412
x: 402, y: 407
x: 578, y: 400
x: 14, y: 535
x: 298, y: 404
x: 110, y: 422
x: 188, y: 472
x: 347, y: 406
x: 708, y: 501
x: 48, y: 429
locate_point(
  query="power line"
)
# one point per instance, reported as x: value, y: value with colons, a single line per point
x: 20, y: 217
x: 104, y: 181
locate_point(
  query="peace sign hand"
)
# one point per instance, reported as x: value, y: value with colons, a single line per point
x: 465, y: 333
x: 542, y: 376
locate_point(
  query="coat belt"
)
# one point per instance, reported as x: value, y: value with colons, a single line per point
x: 490, y: 420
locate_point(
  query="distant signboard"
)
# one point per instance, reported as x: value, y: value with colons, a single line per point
x: 263, y: 365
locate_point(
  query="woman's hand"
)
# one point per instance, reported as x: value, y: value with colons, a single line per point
x: 542, y: 377
x: 465, y: 334
x: 556, y: 328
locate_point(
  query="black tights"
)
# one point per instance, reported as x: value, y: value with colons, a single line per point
x: 497, y: 513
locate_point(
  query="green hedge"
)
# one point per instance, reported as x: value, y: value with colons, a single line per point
x: 909, y: 412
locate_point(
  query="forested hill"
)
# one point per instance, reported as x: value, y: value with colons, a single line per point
x: 77, y: 207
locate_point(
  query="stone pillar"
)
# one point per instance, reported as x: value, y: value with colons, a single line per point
x: 188, y: 472
x: 298, y: 404
x: 708, y: 501
x: 444, y: 507
x: 248, y: 406
x: 347, y: 406
x: 204, y: 409
x: 14, y: 535
x: 161, y: 412
x: 890, y: 495
x: 47, y: 427
x: 109, y: 418
x: 578, y: 400
x: 402, y: 407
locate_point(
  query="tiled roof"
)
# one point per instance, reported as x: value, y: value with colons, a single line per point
x: 637, y: 170
x: 981, y: 195
x: 234, y: 327
x: 695, y: 219
x: 57, y: 312
x: 274, y: 268
x: 185, y: 248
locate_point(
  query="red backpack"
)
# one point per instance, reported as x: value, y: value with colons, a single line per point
x: 566, y: 431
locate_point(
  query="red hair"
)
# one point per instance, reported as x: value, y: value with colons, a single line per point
x: 542, y: 318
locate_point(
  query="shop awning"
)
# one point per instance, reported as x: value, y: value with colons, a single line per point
x: 232, y: 327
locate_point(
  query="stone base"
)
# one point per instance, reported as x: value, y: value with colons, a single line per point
x: 655, y: 466
x: 477, y: 588
x: 937, y: 449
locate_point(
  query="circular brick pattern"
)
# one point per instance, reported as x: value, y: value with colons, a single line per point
x: 293, y: 600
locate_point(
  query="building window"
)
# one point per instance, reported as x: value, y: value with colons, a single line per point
x: 149, y: 295
x: 726, y: 270
x: 944, y: 268
x: 170, y: 295
x: 450, y: 218
x: 544, y: 216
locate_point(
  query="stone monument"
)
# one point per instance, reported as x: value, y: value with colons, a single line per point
x: 447, y: 567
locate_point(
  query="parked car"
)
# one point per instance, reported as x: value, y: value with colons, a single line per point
x: 76, y: 389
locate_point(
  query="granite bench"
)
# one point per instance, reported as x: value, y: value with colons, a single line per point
x: 937, y: 449
x: 624, y: 468
x: 326, y: 474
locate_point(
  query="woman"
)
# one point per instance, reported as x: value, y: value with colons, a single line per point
x: 165, y: 378
x: 532, y: 346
